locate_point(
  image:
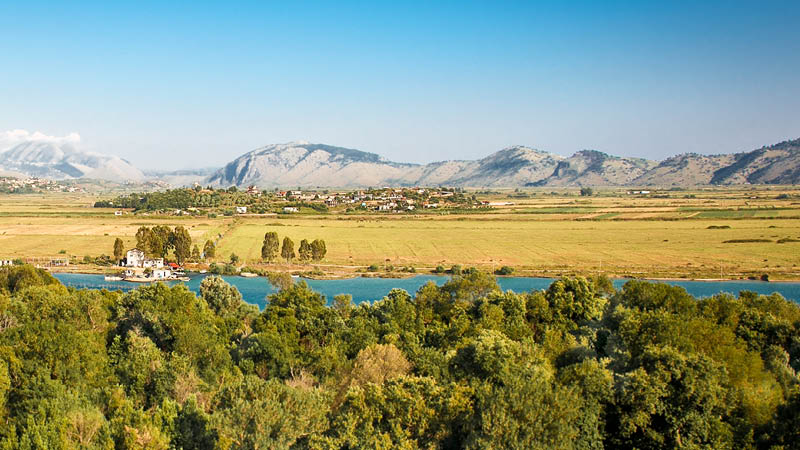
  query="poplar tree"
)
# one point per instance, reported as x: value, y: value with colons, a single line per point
x: 318, y: 250
x: 209, y: 249
x: 182, y: 243
x: 269, y: 250
x: 304, y: 251
x: 287, y: 250
x: 119, y: 249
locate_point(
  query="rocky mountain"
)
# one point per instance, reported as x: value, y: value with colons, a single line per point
x: 593, y: 168
x: 688, y: 169
x: 304, y: 164
x: 513, y: 166
x: 316, y: 165
x: 776, y: 164
x: 61, y: 160
x: 311, y: 165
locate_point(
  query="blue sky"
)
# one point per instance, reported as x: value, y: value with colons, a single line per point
x: 194, y: 84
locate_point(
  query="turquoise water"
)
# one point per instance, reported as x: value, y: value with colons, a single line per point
x: 255, y: 290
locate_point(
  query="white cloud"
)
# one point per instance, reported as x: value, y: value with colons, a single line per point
x: 11, y: 138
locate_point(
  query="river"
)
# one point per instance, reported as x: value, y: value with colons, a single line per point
x: 255, y: 290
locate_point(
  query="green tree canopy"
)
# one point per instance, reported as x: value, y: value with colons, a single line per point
x: 287, y: 249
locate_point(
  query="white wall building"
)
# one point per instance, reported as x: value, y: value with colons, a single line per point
x: 160, y: 274
x: 135, y: 258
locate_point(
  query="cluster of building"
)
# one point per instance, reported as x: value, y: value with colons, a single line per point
x: 139, y: 266
x: 35, y: 184
x: 384, y: 199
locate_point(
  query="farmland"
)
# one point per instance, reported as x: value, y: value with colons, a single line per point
x: 671, y: 235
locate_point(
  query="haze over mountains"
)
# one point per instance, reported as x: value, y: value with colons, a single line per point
x: 34, y: 154
x: 302, y: 164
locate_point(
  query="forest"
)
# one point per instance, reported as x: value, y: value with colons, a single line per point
x: 463, y: 365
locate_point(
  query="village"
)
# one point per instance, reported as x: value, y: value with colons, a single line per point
x: 253, y: 201
x: 30, y: 185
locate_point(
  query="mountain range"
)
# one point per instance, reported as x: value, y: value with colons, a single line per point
x: 61, y: 160
x: 315, y: 165
x: 302, y: 164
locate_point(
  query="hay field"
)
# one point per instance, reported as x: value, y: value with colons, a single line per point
x: 543, y: 234
x: 630, y: 246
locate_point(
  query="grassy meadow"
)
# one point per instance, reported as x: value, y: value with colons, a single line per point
x: 547, y: 234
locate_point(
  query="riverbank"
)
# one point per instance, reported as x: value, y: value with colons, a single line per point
x: 255, y: 290
x: 351, y: 272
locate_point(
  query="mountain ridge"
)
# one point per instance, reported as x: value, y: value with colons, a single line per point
x: 318, y: 165
x: 64, y: 161
x: 305, y: 164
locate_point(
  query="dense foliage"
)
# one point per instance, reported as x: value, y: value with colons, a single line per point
x: 182, y: 199
x: 159, y: 240
x: 463, y: 365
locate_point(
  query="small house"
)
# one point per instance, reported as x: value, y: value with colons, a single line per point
x: 160, y: 274
x: 134, y: 258
x: 241, y: 210
x: 154, y: 263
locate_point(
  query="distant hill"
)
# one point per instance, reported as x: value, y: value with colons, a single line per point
x: 62, y: 161
x: 593, y: 168
x: 316, y: 165
x: 304, y: 164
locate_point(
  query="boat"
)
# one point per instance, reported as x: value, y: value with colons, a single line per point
x: 142, y: 279
x: 112, y: 278
x: 248, y: 275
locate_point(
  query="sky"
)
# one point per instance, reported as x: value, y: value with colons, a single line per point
x: 171, y: 85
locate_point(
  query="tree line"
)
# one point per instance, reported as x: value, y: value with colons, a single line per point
x: 159, y: 240
x: 180, y: 199
x: 307, y: 251
x: 462, y: 365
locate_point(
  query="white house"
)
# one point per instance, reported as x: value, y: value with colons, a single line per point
x: 6, y: 262
x: 135, y: 258
x: 156, y: 274
x: 241, y: 210
x: 290, y: 209
x: 155, y: 263
x: 160, y: 274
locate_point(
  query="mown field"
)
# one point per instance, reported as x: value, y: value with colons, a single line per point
x: 544, y: 234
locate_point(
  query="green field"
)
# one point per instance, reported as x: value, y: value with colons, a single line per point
x: 616, y: 235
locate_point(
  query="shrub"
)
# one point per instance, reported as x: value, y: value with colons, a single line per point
x: 505, y: 270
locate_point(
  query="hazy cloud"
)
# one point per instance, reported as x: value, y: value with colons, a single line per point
x: 11, y: 138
